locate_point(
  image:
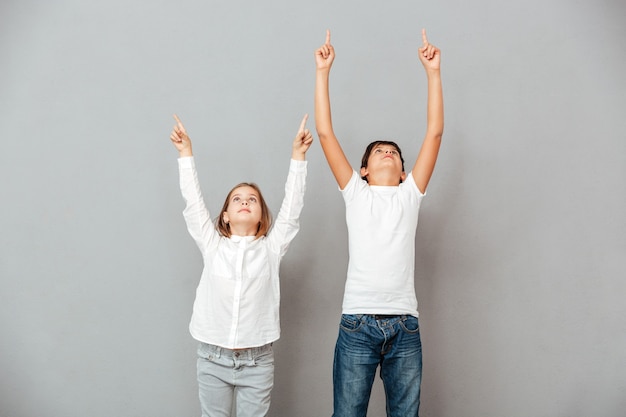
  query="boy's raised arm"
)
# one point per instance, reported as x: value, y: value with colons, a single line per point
x: 337, y: 160
x: 430, y: 56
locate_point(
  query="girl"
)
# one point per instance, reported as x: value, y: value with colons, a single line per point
x: 235, y: 313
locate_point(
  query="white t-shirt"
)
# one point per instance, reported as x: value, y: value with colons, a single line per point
x: 382, y: 221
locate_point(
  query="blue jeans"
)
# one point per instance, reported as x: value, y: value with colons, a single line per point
x: 365, y: 342
x: 243, y: 376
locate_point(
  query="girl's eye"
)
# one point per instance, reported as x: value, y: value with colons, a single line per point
x: 378, y: 150
x: 236, y: 199
x: 253, y: 199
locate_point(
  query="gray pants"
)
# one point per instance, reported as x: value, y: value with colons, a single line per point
x: 243, y: 378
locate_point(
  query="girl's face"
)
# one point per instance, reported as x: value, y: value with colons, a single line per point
x: 244, y: 211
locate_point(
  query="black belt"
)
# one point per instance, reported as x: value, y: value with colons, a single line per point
x: 385, y: 316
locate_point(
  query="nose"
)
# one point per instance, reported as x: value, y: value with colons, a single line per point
x: 244, y: 202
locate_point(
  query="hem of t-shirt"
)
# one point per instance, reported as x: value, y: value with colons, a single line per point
x: 228, y: 346
x: 385, y: 312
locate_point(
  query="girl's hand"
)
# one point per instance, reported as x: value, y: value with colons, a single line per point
x: 180, y: 138
x: 325, y: 54
x: 302, y: 142
x: 429, y: 54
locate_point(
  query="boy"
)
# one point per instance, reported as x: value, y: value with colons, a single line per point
x: 379, y: 322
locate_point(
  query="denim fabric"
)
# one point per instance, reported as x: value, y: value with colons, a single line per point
x: 245, y: 375
x: 366, y: 342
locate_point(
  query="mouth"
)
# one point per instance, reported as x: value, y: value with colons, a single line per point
x: 244, y: 211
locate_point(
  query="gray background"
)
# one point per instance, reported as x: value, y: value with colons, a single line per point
x: 521, y: 242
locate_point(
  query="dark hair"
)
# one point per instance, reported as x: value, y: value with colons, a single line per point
x: 266, y: 217
x: 370, y: 148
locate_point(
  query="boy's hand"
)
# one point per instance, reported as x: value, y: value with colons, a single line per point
x: 302, y: 142
x: 180, y: 139
x: 429, y: 54
x: 325, y: 54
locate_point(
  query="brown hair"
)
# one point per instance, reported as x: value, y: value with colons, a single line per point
x: 370, y: 148
x: 266, y: 217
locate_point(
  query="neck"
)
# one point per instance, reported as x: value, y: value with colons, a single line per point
x: 243, y: 229
x: 384, y: 180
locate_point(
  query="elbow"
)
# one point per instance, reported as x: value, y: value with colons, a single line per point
x: 325, y: 136
x: 435, y: 135
x: 323, y: 132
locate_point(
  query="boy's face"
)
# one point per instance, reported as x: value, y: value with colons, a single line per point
x: 384, y: 160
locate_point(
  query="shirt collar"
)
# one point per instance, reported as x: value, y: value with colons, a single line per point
x: 237, y: 239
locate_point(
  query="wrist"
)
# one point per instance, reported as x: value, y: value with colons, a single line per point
x: 185, y: 153
x: 433, y: 72
x: 298, y: 156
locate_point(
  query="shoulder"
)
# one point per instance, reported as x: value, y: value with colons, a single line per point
x: 355, y: 182
x: 409, y: 186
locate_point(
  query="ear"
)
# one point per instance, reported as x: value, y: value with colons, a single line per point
x: 403, y: 176
x: 364, y: 172
x: 225, y: 218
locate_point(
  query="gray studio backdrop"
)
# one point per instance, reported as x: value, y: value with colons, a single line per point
x: 522, y: 238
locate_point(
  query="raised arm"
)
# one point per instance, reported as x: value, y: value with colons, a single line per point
x: 287, y: 221
x: 430, y: 56
x: 196, y: 214
x: 337, y: 160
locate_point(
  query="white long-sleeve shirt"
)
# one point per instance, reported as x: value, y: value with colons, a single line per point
x: 238, y: 297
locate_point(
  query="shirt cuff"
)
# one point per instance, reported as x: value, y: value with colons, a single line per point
x: 298, y: 166
x: 186, y: 162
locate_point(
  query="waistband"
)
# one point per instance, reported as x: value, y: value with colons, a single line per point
x: 246, y: 353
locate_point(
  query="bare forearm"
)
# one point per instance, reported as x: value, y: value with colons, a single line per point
x: 435, y: 104
x: 323, y: 120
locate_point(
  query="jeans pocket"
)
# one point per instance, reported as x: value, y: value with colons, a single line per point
x: 350, y: 322
x: 265, y: 359
x: 410, y: 324
x: 205, y: 352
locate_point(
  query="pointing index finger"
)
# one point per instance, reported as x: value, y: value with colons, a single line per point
x: 424, y: 38
x: 180, y: 124
x: 327, y: 36
x: 303, y: 123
